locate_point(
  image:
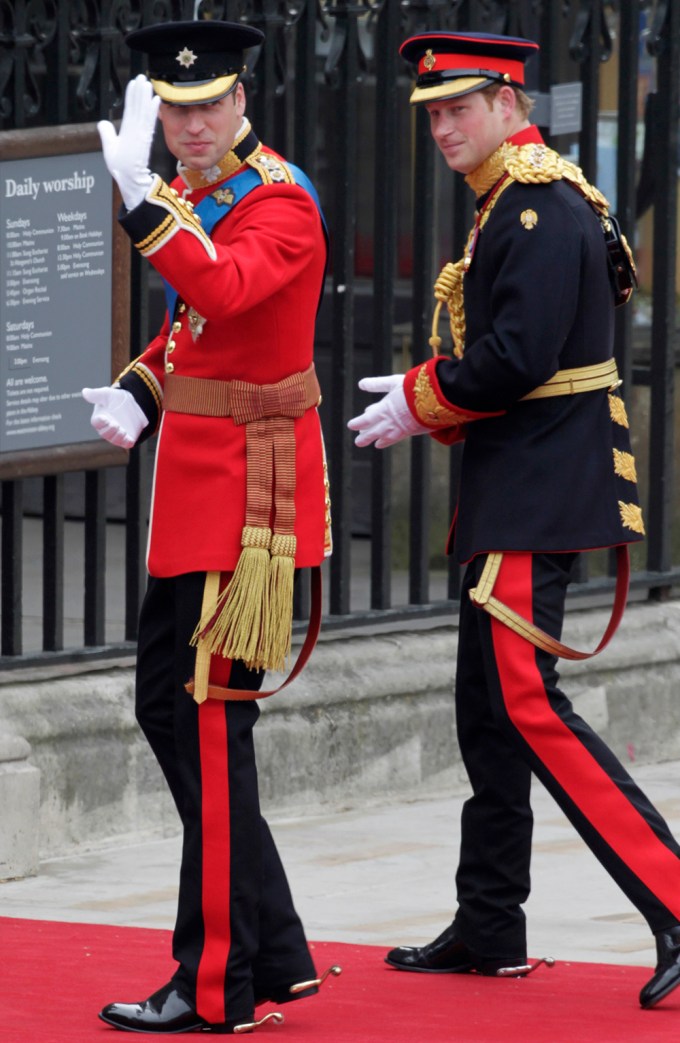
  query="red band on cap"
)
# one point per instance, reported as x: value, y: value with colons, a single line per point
x: 436, y: 62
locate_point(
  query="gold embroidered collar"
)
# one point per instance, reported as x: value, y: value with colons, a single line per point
x: 244, y: 147
x: 485, y: 176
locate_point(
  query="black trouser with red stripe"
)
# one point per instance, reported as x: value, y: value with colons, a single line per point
x: 513, y: 720
x: 237, y: 937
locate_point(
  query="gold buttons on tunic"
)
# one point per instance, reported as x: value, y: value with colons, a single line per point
x: 169, y: 368
x: 170, y: 346
x: 176, y: 327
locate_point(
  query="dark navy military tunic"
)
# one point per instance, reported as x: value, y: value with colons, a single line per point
x: 538, y: 299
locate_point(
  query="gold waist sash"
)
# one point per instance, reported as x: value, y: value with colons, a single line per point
x: 251, y: 618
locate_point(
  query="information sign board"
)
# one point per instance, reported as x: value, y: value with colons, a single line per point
x: 566, y: 101
x: 64, y: 298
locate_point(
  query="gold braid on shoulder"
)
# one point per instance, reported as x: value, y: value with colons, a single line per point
x: 531, y: 164
x: 538, y: 164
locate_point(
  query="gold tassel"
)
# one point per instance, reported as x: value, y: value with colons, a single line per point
x: 278, y: 632
x: 234, y: 626
x: 435, y: 340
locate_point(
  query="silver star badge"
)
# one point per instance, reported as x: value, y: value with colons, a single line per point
x: 186, y: 58
x: 196, y: 324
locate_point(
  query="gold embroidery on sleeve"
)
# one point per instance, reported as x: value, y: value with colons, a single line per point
x: 147, y: 377
x: 430, y: 411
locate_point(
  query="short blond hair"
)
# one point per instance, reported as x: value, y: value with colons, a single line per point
x: 524, y: 103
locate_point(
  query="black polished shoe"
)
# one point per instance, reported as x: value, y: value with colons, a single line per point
x: 447, y: 954
x: 667, y: 974
x: 298, y: 990
x: 168, y: 1011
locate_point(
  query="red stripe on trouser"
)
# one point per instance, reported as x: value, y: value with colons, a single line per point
x: 575, y: 769
x: 216, y: 868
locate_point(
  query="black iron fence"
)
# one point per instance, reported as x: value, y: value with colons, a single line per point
x: 329, y: 91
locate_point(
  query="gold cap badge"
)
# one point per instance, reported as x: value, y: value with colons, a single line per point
x: 429, y: 61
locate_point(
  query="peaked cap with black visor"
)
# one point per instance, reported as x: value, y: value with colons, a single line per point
x: 193, y: 63
x: 450, y: 65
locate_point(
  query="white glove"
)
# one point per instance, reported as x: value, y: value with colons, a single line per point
x: 389, y: 420
x: 116, y: 415
x: 126, y: 154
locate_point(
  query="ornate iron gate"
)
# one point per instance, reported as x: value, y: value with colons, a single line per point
x: 329, y: 91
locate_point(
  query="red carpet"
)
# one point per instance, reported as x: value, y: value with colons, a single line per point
x: 54, y: 977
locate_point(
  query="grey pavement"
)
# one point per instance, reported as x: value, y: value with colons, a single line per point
x: 378, y: 872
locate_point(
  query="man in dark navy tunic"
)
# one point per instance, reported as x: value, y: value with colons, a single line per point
x: 531, y: 389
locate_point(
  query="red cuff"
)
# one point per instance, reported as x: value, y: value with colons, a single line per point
x: 450, y: 435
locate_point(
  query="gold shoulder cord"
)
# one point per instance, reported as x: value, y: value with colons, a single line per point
x: 448, y: 288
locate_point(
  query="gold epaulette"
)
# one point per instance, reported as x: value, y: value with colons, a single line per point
x: 536, y: 164
x: 271, y: 169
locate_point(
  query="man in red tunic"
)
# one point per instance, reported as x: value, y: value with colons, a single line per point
x: 239, y: 500
x: 547, y: 472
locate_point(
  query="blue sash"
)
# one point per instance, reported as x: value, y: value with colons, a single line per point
x: 211, y: 211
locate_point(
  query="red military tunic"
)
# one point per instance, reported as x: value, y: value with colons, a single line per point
x: 247, y: 302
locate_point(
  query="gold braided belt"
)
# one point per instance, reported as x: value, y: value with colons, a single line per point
x: 581, y: 378
x: 251, y: 619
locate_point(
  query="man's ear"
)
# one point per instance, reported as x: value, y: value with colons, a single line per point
x: 507, y: 100
x: 240, y: 99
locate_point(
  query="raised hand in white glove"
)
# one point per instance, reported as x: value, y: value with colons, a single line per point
x: 389, y: 420
x: 116, y: 415
x: 126, y: 153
